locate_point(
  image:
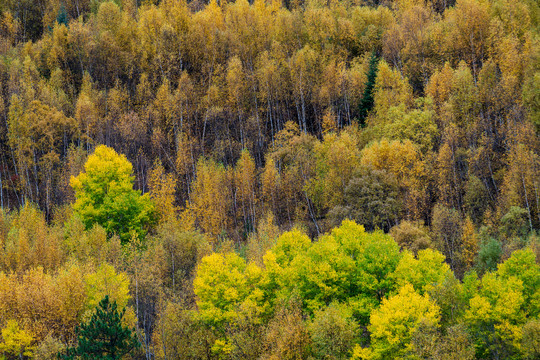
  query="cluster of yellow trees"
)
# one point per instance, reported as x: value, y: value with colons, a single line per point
x: 239, y: 121
x: 351, y: 294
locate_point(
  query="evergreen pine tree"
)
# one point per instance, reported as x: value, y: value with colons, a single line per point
x: 62, y: 17
x: 366, y: 104
x: 104, y: 336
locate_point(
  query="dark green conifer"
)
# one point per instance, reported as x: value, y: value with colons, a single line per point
x: 62, y: 17
x: 104, y: 336
x: 367, y: 99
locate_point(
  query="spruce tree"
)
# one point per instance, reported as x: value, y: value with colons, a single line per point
x: 62, y: 17
x: 104, y: 336
x: 366, y: 104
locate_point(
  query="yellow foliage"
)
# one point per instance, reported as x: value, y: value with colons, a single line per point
x: 162, y: 189
x: 17, y: 342
x: 470, y: 242
x: 226, y: 287
x: 390, y: 89
x: 402, y: 159
x: 439, y: 85
x: 106, y: 281
x: 336, y: 159
x: 210, y: 196
x: 393, y: 324
x: 245, y: 180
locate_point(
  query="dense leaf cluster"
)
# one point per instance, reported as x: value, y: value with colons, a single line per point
x: 272, y: 180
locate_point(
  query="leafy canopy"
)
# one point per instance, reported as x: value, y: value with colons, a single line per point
x: 17, y: 341
x: 393, y: 324
x: 105, y: 196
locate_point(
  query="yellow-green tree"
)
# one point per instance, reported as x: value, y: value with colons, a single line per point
x: 17, y: 342
x: 394, y: 323
x: 496, y: 316
x: 105, y: 196
x: 226, y: 287
x: 424, y: 272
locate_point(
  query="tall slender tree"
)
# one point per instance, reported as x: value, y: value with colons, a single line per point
x: 366, y: 104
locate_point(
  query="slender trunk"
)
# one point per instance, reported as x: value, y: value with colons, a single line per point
x: 204, y: 130
x: 1, y: 193
x: 163, y: 342
x: 527, y: 201
x: 535, y: 193
x: 36, y: 177
x: 304, y: 124
x: 173, y: 271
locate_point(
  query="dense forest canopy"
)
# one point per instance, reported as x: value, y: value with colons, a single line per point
x: 355, y: 179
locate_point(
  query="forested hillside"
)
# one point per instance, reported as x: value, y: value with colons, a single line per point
x: 270, y: 180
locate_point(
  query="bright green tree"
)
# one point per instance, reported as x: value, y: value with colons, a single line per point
x: 104, y: 336
x: 348, y: 265
x: 105, y: 196
x: 226, y: 287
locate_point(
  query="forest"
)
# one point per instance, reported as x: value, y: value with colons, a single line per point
x: 267, y: 179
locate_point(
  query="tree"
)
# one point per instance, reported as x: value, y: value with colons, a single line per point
x: 336, y: 159
x: 424, y: 272
x: 409, y: 45
x: 371, y: 198
x: 105, y: 281
x: 366, y: 104
x: 469, y: 240
x: 226, y: 286
x: 447, y: 228
x: 417, y: 125
x: 346, y: 265
x: 105, y: 196
x: 180, y: 334
x: 531, y: 339
x: 522, y: 265
x: 333, y: 332
x: 104, y: 336
x: 42, y: 304
x: 469, y: 23
x: 496, y: 315
x: 390, y: 89
x: 211, y: 196
x: 521, y: 181
x: 430, y: 343
x: 403, y: 160
x: 245, y: 189
x: 162, y: 189
x: 413, y: 236
x: 286, y: 336
x: 17, y: 342
x: 489, y: 255
x: 394, y: 323
x: 30, y: 243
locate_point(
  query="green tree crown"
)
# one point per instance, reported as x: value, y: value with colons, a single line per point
x: 105, y: 196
